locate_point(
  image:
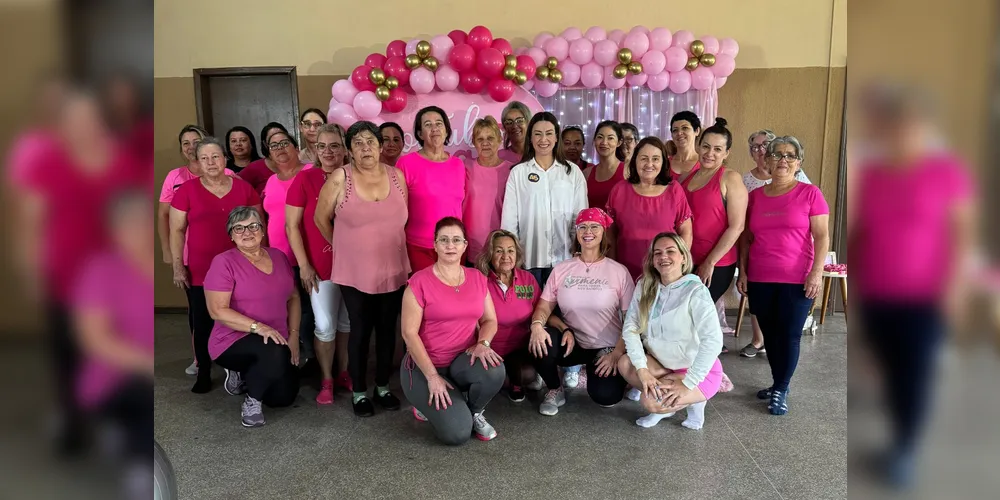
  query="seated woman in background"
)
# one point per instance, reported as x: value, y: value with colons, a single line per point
x: 672, y: 336
x: 515, y: 294
x: 448, y: 326
x: 592, y: 291
x: 251, y: 295
x: 392, y: 142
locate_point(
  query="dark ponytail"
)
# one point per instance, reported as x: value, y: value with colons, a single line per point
x: 720, y: 129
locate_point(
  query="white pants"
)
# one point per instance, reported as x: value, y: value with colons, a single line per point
x: 329, y: 311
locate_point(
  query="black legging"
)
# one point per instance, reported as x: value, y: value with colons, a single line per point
x: 65, y: 359
x: 515, y: 363
x: 131, y: 406
x: 602, y: 390
x: 202, y: 330
x: 371, y: 311
x: 722, y: 279
x: 267, y: 369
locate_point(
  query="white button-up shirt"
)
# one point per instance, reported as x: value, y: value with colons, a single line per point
x: 540, y: 207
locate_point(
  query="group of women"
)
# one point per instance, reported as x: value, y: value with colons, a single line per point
x: 502, y: 269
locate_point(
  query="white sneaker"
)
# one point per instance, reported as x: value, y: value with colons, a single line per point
x: 192, y: 370
x: 484, y: 431
x: 633, y: 394
x: 537, y: 384
x: 571, y: 379
x: 554, y: 398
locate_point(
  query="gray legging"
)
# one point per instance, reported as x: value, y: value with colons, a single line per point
x: 453, y: 425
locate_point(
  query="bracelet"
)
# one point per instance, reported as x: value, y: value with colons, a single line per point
x: 540, y: 322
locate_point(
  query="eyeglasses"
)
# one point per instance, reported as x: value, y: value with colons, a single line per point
x: 311, y: 125
x: 253, y: 227
x: 758, y: 148
x: 333, y: 147
x: 789, y: 157
x: 593, y: 228
x: 444, y: 240
x: 274, y: 146
x: 516, y: 121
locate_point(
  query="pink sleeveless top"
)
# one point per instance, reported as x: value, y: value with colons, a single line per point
x: 370, y: 239
x: 709, y: 218
x: 598, y: 191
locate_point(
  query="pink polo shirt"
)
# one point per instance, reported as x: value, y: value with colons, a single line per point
x: 436, y: 191
x: 451, y: 318
x: 782, y: 247
x: 513, y: 307
x: 484, y: 190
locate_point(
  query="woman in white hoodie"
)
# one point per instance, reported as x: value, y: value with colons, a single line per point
x: 672, y: 336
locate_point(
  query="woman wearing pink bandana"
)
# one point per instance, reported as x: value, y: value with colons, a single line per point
x: 592, y: 292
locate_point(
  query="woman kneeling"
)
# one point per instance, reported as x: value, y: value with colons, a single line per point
x: 672, y: 336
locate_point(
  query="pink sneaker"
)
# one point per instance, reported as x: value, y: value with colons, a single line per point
x: 325, y: 396
x: 419, y: 416
x: 344, y: 381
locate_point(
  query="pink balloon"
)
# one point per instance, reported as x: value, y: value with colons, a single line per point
x: 640, y: 29
x: 606, y: 53
x: 375, y: 60
x: 637, y: 80
x: 711, y: 44
x: 545, y: 88
x: 528, y: 85
x: 570, y: 72
x: 680, y: 82
x: 440, y: 47
x: 501, y: 90
x: 367, y: 105
x: 638, y: 42
x: 503, y: 46
x: 701, y: 78
x: 724, y: 65
x: 457, y: 36
x: 446, y: 78
x: 333, y: 102
x: 557, y: 47
x: 480, y: 38
x: 659, y: 39
x: 462, y: 57
x: 571, y: 34
x: 616, y: 36
x: 541, y: 38
x: 395, y: 48
x: 422, y: 80
x: 653, y: 62
x: 526, y: 65
x: 472, y: 83
x: 610, y: 81
x: 344, y: 91
x: 411, y: 46
x: 591, y: 75
x: 676, y: 58
x: 536, y: 54
x: 396, y: 66
x: 520, y: 50
x: 343, y: 114
x: 720, y: 81
x: 596, y: 34
x: 658, y: 82
x: 359, y: 77
x: 683, y: 39
x: 729, y: 46
x: 581, y: 51
x: 489, y: 63
x: 396, y: 101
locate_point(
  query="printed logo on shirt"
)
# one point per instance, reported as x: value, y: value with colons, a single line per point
x: 526, y: 292
x: 585, y: 283
x: 328, y: 249
x: 533, y: 177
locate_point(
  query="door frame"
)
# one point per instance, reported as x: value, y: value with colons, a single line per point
x: 201, y: 90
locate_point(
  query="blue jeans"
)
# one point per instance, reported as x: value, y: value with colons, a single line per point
x: 781, y: 310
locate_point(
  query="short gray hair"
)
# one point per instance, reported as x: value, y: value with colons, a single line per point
x: 240, y: 214
x: 787, y: 139
x: 209, y: 141
x: 764, y: 132
x: 514, y: 105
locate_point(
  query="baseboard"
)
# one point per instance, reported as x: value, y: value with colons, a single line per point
x: 170, y: 310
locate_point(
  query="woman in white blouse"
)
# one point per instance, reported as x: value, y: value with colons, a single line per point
x: 544, y: 193
x: 672, y: 336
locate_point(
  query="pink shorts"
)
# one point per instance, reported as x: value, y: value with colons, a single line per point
x: 710, y: 386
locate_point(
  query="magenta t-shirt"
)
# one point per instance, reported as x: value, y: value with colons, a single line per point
x: 436, y: 191
x: 592, y: 299
x: 172, y: 183
x: 782, y: 246
x: 638, y: 219
x: 451, y: 318
x: 304, y: 193
x: 258, y: 296
x: 484, y: 191
x: 274, y: 198
x: 257, y: 174
x: 112, y: 285
x: 906, y: 213
x: 513, y: 308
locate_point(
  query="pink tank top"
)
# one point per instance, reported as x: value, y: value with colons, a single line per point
x: 709, y: 218
x: 598, y: 191
x: 371, y: 239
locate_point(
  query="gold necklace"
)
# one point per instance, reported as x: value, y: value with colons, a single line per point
x: 447, y: 280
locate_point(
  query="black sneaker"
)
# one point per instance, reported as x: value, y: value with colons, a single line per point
x: 364, y: 408
x: 387, y: 401
x: 516, y: 393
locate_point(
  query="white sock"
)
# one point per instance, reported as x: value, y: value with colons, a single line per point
x: 652, y: 419
x: 633, y: 394
x: 696, y: 416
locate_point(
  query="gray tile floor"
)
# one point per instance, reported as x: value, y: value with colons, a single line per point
x: 584, y: 452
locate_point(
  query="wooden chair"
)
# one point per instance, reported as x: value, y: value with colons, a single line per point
x: 828, y: 281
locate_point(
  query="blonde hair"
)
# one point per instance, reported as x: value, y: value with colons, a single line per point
x: 484, y: 262
x: 488, y: 123
x: 651, y: 276
x: 332, y: 128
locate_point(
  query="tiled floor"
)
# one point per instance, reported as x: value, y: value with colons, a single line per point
x: 583, y: 452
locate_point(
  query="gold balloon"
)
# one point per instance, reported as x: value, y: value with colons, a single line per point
x: 697, y: 48
x: 520, y: 78
x: 542, y: 73
x: 555, y: 76
x: 431, y: 63
x: 625, y: 56
x: 707, y: 59
x: 692, y: 63
x: 635, y: 67
x: 551, y: 63
x: 391, y: 82
x: 620, y: 71
x: 382, y: 92
x: 423, y: 49
x: 412, y: 61
x: 377, y: 76
x: 509, y: 73
x: 511, y: 61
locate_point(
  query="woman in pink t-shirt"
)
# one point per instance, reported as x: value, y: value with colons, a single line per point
x: 485, y: 185
x: 515, y: 294
x: 786, y: 227
x: 436, y: 183
x: 592, y: 292
x: 609, y: 169
x: 448, y: 326
x: 251, y: 293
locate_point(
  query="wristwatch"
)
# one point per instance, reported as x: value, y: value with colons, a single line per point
x: 485, y: 342
x: 253, y: 327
